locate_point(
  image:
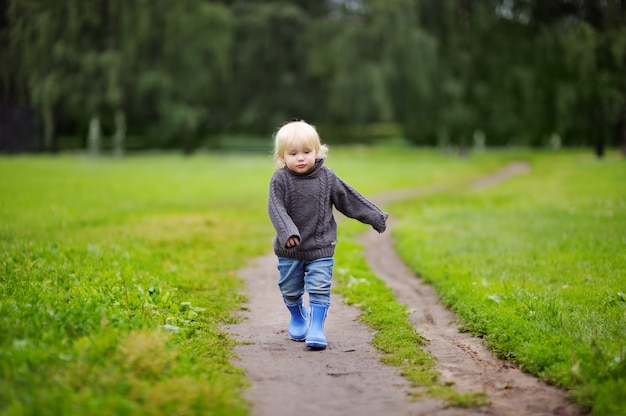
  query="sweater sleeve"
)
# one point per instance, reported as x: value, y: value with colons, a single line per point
x: 277, y: 210
x: 354, y: 205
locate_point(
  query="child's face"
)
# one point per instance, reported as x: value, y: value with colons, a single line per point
x: 299, y: 157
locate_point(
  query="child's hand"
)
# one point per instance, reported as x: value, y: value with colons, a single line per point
x: 292, y: 242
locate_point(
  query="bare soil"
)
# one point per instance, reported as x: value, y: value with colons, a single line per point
x: 348, y: 378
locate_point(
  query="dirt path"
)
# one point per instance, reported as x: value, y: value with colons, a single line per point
x: 348, y: 378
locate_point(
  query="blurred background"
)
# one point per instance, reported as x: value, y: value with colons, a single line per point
x: 120, y: 75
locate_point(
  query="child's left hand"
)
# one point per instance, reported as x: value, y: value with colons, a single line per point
x: 292, y: 242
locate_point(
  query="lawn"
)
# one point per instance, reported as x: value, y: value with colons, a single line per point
x: 116, y: 276
x: 536, y: 266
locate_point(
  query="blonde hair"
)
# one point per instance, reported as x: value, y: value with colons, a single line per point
x: 297, y: 130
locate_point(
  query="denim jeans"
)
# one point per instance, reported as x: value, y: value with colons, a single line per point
x: 314, y: 276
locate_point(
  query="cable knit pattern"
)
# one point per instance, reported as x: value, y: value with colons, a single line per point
x: 302, y: 205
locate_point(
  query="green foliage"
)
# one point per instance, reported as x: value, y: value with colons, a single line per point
x: 513, y: 72
x: 536, y: 267
x: 270, y: 65
x: 162, y: 63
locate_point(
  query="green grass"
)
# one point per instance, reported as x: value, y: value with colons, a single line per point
x: 117, y: 275
x: 536, y: 266
x: 395, y: 336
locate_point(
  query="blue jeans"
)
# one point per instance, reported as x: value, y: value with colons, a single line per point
x: 314, y: 276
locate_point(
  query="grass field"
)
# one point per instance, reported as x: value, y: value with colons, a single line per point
x: 116, y: 275
x: 536, y: 266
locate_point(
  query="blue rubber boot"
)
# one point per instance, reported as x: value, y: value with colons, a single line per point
x: 298, y: 324
x: 315, y: 338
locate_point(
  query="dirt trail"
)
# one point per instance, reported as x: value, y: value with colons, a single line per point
x: 348, y: 378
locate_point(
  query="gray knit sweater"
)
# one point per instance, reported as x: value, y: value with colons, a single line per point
x: 302, y: 205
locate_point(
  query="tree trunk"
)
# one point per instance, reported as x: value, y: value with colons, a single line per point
x: 624, y: 128
x: 94, y: 137
x: 598, y: 118
x: 119, y: 138
x: 48, y: 128
x: 47, y: 114
x: 188, y: 145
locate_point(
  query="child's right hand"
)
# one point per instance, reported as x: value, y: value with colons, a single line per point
x: 292, y: 242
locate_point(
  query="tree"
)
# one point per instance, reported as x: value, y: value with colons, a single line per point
x: 510, y: 71
x: 34, y: 28
x: 374, y: 64
x: 189, y: 69
x: 599, y: 61
x: 270, y: 65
